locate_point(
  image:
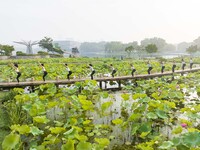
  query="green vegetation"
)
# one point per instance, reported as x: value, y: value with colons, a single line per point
x: 47, y: 43
x: 6, y: 50
x: 56, y: 69
x: 151, y: 48
x: 154, y: 114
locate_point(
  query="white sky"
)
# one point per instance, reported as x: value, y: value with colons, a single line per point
x: 96, y: 20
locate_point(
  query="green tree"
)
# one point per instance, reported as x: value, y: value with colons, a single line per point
x: 6, y: 50
x: 159, y: 42
x: 113, y: 48
x: 151, y: 48
x: 129, y: 50
x: 192, y: 49
x: 47, y: 43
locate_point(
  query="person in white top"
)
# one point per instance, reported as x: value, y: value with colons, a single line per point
x: 113, y: 70
x: 191, y: 63
x: 133, y: 69
x: 69, y: 71
x: 44, y: 71
x: 183, y: 64
x: 162, y: 67
x: 149, y: 67
x: 92, y: 71
x: 17, y: 71
x: 173, y: 66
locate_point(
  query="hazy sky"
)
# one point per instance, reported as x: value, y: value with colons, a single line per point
x: 96, y: 20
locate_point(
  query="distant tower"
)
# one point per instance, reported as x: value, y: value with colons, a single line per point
x: 29, y: 45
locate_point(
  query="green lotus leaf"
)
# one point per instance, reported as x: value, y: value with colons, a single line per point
x: 145, y: 127
x: 11, y: 141
x: 90, y: 134
x: 192, y: 139
x: 27, y: 107
x: 102, y: 141
x: 52, y: 104
x: 86, y: 122
x: 23, y: 129
x: 161, y: 114
x: 152, y: 115
x: 117, y: 121
x: 125, y: 96
x: 41, y: 119
x: 68, y: 146
x: 166, y: 145
x: 138, y: 95
x: 84, y: 146
x: 86, y: 105
x: 135, y: 128
x: 183, y: 147
x: 73, y: 121
x: 176, y: 141
x: 104, y: 95
x: 177, y: 130
x: 81, y: 137
x: 106, y: 105
x: 57, y: 130
x: 77, y: 128
x: 135, y: 116
x: 35, y: 131
x: 58, y: 123
x: 144, y: 100
x: 144, y: 134
x: 72, y: 130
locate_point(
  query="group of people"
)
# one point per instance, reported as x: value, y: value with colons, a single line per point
x: 90, y: 66
x: 183, y: 64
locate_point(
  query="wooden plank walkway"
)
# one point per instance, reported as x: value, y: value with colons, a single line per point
x: 100, y: 80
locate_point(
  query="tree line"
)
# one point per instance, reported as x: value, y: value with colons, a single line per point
x: 148, y: 45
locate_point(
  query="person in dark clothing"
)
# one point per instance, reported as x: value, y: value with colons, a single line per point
x: 162, y: 67
x: 17, y: 71
x: 69, y: 71
x: 191, y: 63
x: 132, y: 70
x: 92, y: 71
x: 44, y: 71
x: 173, y: 66
x: 183, y: 64
x: 149, y: 67
x: 113, y: 70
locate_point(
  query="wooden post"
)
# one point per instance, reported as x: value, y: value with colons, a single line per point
x: 105, y: 84
x: 100, y: 84
x: 119, y: 84
x: 32, y: 89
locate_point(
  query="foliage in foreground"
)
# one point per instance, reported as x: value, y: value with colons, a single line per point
x: 156, y: 114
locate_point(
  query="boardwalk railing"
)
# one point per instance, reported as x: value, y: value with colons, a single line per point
x: 100, y: 80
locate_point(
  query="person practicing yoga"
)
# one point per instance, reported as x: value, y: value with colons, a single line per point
x: 149, y: 67
x: 113, y: 70
x: 69, y: 71
x: 92, y: 71
x: 132, y: 69
x: 16, y: 67
x: 162, y: 67
x: 44, y: 71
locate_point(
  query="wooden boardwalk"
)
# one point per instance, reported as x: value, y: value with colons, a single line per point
x: 8, y: 85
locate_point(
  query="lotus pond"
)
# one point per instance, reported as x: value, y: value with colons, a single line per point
x: 159, y: 113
